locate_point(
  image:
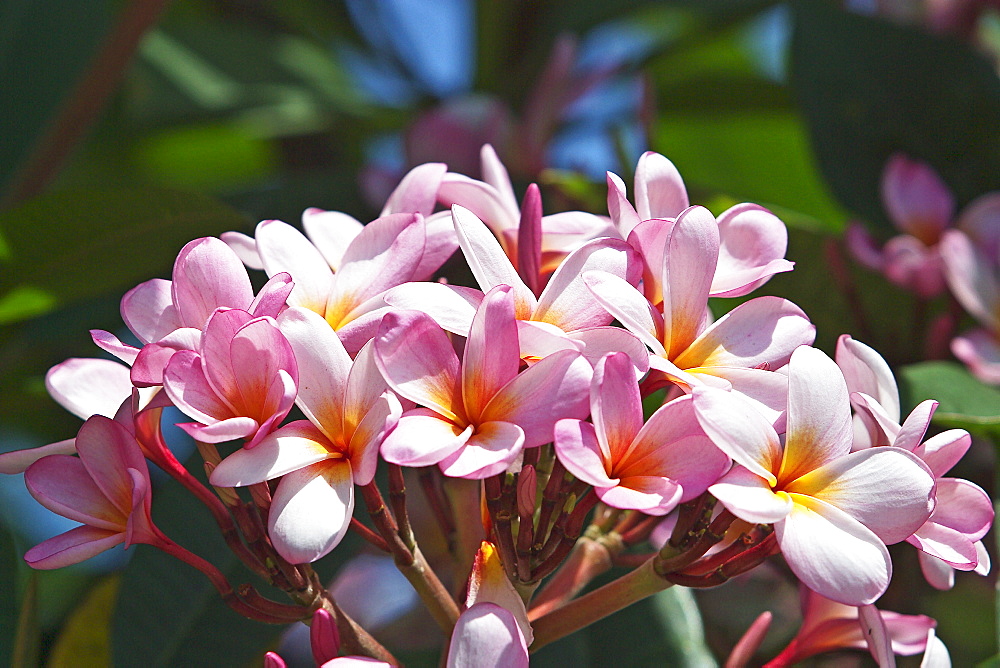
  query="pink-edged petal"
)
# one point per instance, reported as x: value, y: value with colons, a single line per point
x: 107, y: 450
x: 945, y: 544
x: 440, y: 244
x: 863, y: 246
x: 623, y: 214
x: 599, y: 341
x: 139, y: 526
x: 963, y: 506
x: 939, y: 574
x: 889, y: 490
x: 422, y: 437
x: 224, y: 430
x: 944, y: 450
x: 148, y: 310
x: 492, y: 352
x: 912, y: 265
x: 556, y: 387
x: 692, y: 252
x: 284, y: 249
x: 495, y: 174
x: 110, y: 343
x: 876, y: 635
x: 579, y: 451
x: 482, y: 199
x: 323, y: 365
x: 63, y: 484
x: 540, y: 339
x: 152, y: 359
x: 659, y: 188
x: 451, y: 306
x: 761, y: 331
x: 294, y: 446
x: 529, y: 239
x: 913, y: 429
x: 566, y: 231
x: 832, y: 553
x: 245, y: 248
x: 260, y: 352
x: 363, y: 450
x: 88, y: 387
x: 866, y: 371
x: 979, y: 349
x: 936, y: 655
x: 567, y: 302
x: 270, y: 301
x: 384, y: 255
x: 739, y: 430
x: 749, y: 497
x: 331, y: 232
x: 629, y: 306
x: 880, y: 429
x: 766, y: 390
x: 17, y: 461
x: 360, y: 325
x: 753, y: 244
x: 653, y: 495
x: 916, y: 198
x: 207, y: 275
x: 418, y: 362
x: 615, y: 405
x: 311, y: 511
x: 819, y: 427
x: 490, y: 450
x: 650, y: 238
x: 186, y: 385
x: 487, y: 260
x: 72, y: 547
x: 983, y: 566
x: 487, y: 635
x: 488, y: 583
x: 417, y: 191
x: 365, y: 385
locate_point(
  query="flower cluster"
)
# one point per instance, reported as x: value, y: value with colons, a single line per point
x: 583, y: 376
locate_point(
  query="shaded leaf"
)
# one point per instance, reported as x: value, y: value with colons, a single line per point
x: 8, y: 595
x: 965, y: 402
x: 84, y: 640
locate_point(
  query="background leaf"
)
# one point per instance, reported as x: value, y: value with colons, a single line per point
x: 85, y: 639
x: 965, y: 402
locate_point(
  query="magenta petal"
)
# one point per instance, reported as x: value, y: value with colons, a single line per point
x: 229, y: 429
x: 148, y: 310
x: 62, y: 484
x: 185, y: 383
x: 945, y: 544
x: 688, y: 268
x: 270, y: 301
x: 72, y: 547
x: 108, y: 450
x: 208, y: 275
x: 916, y: 198
x: 579, y: 451
x: 17, y: 461
x: 110, y: 343
x: 492, y: 352
x: 615, y: 405
x: 944, y: 450
x: 963, y: 506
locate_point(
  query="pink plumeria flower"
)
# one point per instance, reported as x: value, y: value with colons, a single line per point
x: 239, y: 383
x: 167, y: 316
x: 325, y: 642
x: 474, y: 416
x: 106, y: 488
x: 828, y: 626
x: 565, y: 315
x: 649, y: 467
x: 733, y: 352
x: 493, y: 630
x: 541, y: 246
x: 752, y: 240
x: 951, y: 538
x: 833, y: 510
x: 320, y: 459
x: 974, y: 278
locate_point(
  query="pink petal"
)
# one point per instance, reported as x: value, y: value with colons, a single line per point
x: 417, y: 191
x: 832, y: 553
x: 529, y: 239
x: 580, y: 452
x: 863, y: 246
x: 490, y: 450
x: 963, y: 506
x: 440, y: 244
x: 495, y: 174
x: 749, y: 497
x: 451, y: 306
x: 108, y: 450
x: 540, y: 339
x: 331, y: 232
x: 945, y: 544
x: 88, y: 387
x: 148, y: 310
x: 378, y: 421
x: 556, y: 387
x: 866, y: 371
x: 650, y: 238
x: 739, y: 430
x: 916, y: 198
x: 365, y: 386
x: 224, y: 430
x: 936, y: 655
x: 208, y: 275
x: 913, y: 429
x: 938, y: 573
x: 487, y: 635
x: 418, y: 361
x: 653, y: 495
x: 979, y: 220
x: 752, y: 248
x: 296, y: 445
x: 599, y: 341
x: 944, y: 450
x: 629, y: 306
x: 767, y: 391
x: 692, y: 253
x: 72, y: 547
x: 492, y: 353
x: 110, y: 343
x: 819, y: 414
x: 147, y: 370
x: 979, y: 349
x: 311, y: 511
x: 659, y: 188
x: 876, y: 636
x: 245, y: 248
x: 482, y: 200
x: 912, y: 265
x: 622, y: 212
x: 185, y: 383
x: 422, y: 438
x: 567, y: 302
x: 615, y: 405
x: 17, y: 461
x: 270, y: 301
x: 63, y: 484
x: 284, y: 249
x: 889, y: 490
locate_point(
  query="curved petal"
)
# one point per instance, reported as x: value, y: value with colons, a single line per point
x: 294, y: 446
x: 440, y: 244
x: 629, y: 306
x: 72, y: 547
x: 540, y: 339
x: 107, y: 450
x: 270, y: 301
x: 208, y: 275
x: 422, y: 437
x: 623, y: 214
x: 938, y: 573
x: 650, y: 238
x: 451, y: 306
x: 483, y: 200
x: 492, y: 352
x: 600, y: 341
x: 944, y: 450
x: 752, y: 248
x: 866, y: 371
x: 749, y: 497
x: 17, y: 461
x: 963, y: 506
x: 659, y: 188
x: 311, y: 511
x: 283, y: 248
x: 692, y: 253
x: 417, y: 191
x: 88, y: 387
x: 946, y: 544
x: 653, y: 495
x: 63, y: 484
x: 331, y: 232
x: 490, y: 450
x: 367, y: 438
x: 365, y: 386
x: 110, y: 343
x: 615, y: 405
x: 148, y: 310
x: 979, y: 349
x: 186, y: 385
x: 579, y: 451
x: 916, y: 198
x: 228, y: 429
x: 245, y: 248
x: 971, y: 278
x: 913, y: 429
x: 739, y: 430
x: 487, y: 635
x: 832, y: 553
x: 889, y: 490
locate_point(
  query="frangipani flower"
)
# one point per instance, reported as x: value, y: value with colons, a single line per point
x: 833, y: 510
x: 493, y: 630
x: 320, y: 459
x: 735, y: 351
x: 474, y: 416
x: 752, y: 240
x: 240, y: 383
x: 649, y: 467
x: 963, y: 512
x: 106, y: 488
x: 565, y: 315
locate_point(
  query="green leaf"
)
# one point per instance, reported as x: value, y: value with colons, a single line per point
x: 84, y: 640
x: 965, y: 402
x: 168, y: 614
x: 70, y: 245
x: 9, y: 569
x: 870, y: 88
x: 27, y: 641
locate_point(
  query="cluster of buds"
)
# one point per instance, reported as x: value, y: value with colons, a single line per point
x: 517, y: 399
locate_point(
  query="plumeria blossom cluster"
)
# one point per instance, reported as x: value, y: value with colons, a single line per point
x: 939, y: 251
x: 577, y: 399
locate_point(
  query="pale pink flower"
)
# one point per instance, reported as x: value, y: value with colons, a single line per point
x: 474, y: 416
x: 752, y: 240
x: 734, y: 352
x: 240, y: 382
x: 565, y: 315
x: 649, y: 467
x: 829, y: 626
x: 325, y: 642
x: 319, y: 460
x: 833, y: 510
x: 106, y: 488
